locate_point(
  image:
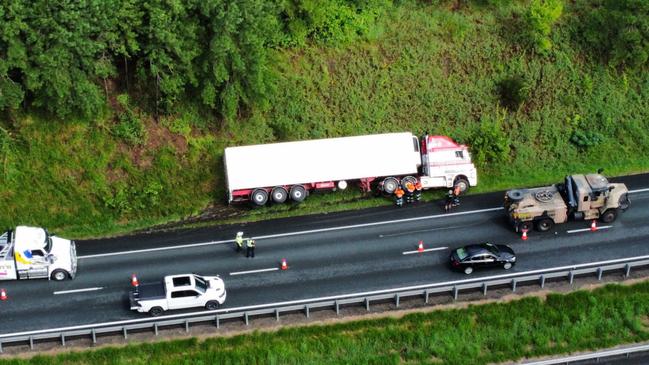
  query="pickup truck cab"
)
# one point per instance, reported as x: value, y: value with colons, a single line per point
x: 178, y: 292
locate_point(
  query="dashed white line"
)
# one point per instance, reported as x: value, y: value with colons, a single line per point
x: 253, y: 271
x: 425, y: 250
x: 587, y: 229
x: 638, y: 190
x: 77, y: 290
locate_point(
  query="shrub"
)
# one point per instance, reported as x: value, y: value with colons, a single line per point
x: 539, y: 18
x: 489, y: 142
x: 583, y: 136
x: 129, y: 127
x: 513, y: 91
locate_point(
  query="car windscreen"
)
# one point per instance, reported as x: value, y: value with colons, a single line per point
x: 491, y: 248
x: 461, y: 253
x: 200, y: 283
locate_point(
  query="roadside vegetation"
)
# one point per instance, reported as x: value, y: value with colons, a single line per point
x: 115, y: 114
x: 480, y: 334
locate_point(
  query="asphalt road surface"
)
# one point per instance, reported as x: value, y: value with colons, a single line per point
x: 324, y: 257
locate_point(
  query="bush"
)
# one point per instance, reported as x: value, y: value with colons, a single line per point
x: 489, y: 143
x: 583, y: 136
x: 513, y: 91
x: 539, y: 18
x: 129, y: 128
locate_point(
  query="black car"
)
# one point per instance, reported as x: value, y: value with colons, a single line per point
x: 481, y: 255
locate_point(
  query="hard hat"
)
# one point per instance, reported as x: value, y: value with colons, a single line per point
x: 239, y: 233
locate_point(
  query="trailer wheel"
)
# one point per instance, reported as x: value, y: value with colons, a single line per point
x: 212, y: 305
x: 156, y: 311
x: 609, y: 216
x: 59, y: 275
x: 408, y: 179
x: 259, y: 197
x: 298, y: 193
x: 462, y: 183
x: 279, y: 194
x: 390, y: 185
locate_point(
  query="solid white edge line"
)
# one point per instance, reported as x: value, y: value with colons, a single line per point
x: 253, y: 271
x: 295, y: 233
x: 308, y: 231
x: 587, y: 229
x: 425, y: 250
x: 334, y: 297
x: 77, y: 290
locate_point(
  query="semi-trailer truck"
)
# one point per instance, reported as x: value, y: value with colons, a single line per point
x: 279, y: 172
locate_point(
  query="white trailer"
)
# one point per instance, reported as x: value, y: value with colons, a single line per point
x: 32, y: 253
x: 291, y: 169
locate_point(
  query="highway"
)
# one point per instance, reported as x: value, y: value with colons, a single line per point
x: 327, y: 254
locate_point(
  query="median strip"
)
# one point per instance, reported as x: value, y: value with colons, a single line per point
x: 253, y: 271
x: 426, y: 250
x: 77, y: 290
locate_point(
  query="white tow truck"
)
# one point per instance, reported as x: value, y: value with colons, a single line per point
x: 32, y: 253
x: 178, y: 292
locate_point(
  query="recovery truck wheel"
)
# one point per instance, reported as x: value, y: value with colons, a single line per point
x: 212, y: 305
x: 156, y: 311
x: 624, y: 202
x: 59, y: 275
x: 609, y: 216
x: 462, y: 183
x: 390, y: 184
x: 279, y: 194
x: 298, y: 193
x: 259, y: 197
x: 544, y: 225
x: 525, y: 226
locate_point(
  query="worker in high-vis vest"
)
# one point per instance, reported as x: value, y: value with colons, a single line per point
x: 250, y: 248
x: 410, y: 189
x: 239, y: 241
x: 399, y: 196
x: 418, y: 189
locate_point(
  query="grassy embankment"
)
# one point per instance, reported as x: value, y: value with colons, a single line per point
x: 479, y: 334
x: 424, y: 68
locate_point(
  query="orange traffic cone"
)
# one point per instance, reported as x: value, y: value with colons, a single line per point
x: 524, y: 236
x: 593, y: 226
x: 134, y: 281
x: 284, y: 265
x: 3, y: 295
x: 420, y: 248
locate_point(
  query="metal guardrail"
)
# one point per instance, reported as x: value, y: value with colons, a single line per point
x: 335, y: 302
x: 597, y: 356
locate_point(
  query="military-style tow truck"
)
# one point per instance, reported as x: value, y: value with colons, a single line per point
x: 579, y: 197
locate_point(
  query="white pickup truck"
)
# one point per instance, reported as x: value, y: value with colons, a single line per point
x: 178, y: 292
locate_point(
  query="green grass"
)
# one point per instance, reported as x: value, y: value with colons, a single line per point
x: 479, y: 334
x: 426, y: 67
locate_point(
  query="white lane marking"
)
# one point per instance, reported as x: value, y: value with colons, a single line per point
x: 295, y: 233
x: 253, y: 271
x: 425, y: 250
x: 638, y: 190
x: 77, y: 290
x: 587, y: 229
x: 333, y: 297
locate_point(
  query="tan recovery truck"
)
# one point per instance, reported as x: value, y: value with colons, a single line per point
x: 579, y: 197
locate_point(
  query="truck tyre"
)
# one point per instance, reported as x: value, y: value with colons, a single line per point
x: 515, y: 195
x: 259, y: 197
x: 525, y: 226
x: 212, y: 305
x: 156, y: 311
x: 298, y: 193
x: 60, y: 275
x: 462, y: 183
x: 608, y: 216
x: 279, y: 195
x: 390, y: 185
x: 544, y: 225
x: 624, y: 202
x: 408, y: 179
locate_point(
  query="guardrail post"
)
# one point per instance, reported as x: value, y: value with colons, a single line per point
x: 125, y: 334
x: 542, y: 281
x: 367, y: 304
x: 245, y: 318
x: 599, y: 273
x: 484, y: 289
x: 627, y: 269
x: 277, y: 314
x: 218, y: 321
x: 306, y: 310
x: 155, y: 328
x: 94, y: 336
x: 0, y: 347
x: 455, y: 292
x: 426, y: 294
x: 513, y: 285
x: 337, y: 308
x: 187, y: 325
x: 31, y: 342
x: 396, y: 300
x: 571, y: 276
x: 62, y: 339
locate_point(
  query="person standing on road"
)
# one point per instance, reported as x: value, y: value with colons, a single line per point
x: 250, y: 248
x: 239, y: 241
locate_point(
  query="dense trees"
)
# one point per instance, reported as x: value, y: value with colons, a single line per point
x: 61, y: 56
